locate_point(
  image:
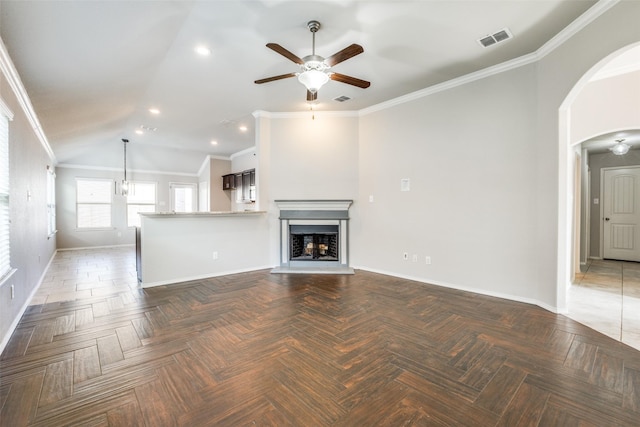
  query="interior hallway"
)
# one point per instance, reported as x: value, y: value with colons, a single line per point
x: 606, y: 297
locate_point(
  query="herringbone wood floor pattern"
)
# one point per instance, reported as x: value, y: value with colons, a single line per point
x: 303, y: 350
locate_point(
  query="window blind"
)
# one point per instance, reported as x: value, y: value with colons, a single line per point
x: 5, y: 224
x: 141, y: 198
x: 93, y: 203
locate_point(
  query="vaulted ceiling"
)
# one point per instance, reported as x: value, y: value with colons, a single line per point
x: 93, y: 69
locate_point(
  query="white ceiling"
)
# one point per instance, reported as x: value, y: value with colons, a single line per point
x: 93, y: 68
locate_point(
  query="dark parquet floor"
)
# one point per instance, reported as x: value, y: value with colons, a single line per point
x: 307, y: 350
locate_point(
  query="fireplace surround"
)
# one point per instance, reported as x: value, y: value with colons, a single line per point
x: 314, y: 236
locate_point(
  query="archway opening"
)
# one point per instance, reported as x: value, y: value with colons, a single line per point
x: 603, y: 104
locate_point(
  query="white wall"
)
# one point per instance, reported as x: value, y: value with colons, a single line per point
x: 605, y: 106
x: 70, y: 237
x: 30, y: 246
x: 469, y: 154
x: 301, y: 158
x: 314, y: 159
x: 177, y: 248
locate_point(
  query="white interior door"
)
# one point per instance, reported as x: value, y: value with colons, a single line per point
x: 621, y: 214
x: 183, y: 197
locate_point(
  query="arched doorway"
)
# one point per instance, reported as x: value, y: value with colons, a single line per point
x: 583, y: 117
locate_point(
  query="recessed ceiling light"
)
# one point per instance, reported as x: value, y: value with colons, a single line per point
x: 203, y: 50
x: 139, y: 131
x: 154, y: 111
x: 243, y: 128
x: 214, y: 142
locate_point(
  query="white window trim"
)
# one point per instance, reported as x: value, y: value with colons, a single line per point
x: 6, y: 272
x: 51, y: 203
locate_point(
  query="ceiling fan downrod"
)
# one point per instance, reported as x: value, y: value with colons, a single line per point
x: 313, y: 26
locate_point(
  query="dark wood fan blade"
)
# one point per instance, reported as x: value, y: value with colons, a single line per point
x: 311, y: 96
x: 274, y: 78
x: 284, y: 52
x: 344, y: 54
x: 349, y: 80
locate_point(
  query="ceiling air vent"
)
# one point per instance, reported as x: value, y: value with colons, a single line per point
x: 496, y: 37
x: 341, y: 98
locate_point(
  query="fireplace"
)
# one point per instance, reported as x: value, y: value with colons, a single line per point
x: 313, y: 242
x: 314, y: 236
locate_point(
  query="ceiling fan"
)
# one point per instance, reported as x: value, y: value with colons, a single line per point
x: 314, y: 69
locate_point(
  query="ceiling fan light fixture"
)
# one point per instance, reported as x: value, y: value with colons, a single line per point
x: 620, y: 148
x: 313, y: 79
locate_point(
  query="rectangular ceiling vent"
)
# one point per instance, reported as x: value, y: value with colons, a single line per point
x: 496, y: 37
x: 341, y: 98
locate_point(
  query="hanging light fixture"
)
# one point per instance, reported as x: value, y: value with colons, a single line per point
x: 124, y: 186
x: 313, y: 74
x: 620, y: 148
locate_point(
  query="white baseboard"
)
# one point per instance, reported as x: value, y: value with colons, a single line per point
x: 16, y: 320
x: 509, y: 297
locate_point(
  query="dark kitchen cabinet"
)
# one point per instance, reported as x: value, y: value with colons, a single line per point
x: 229, y: 182
x: 243, y: 182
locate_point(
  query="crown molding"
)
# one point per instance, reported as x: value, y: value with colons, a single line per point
x: 569, y: 31
x: 11, y: 74
x: 572, y: 29
x: 450, y: 84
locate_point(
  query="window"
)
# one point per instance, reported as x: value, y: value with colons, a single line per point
x: 183, y: 197
x: 141, y: 198
x: 93, y: 202
x: 51, y: 201
x: 5, y: 222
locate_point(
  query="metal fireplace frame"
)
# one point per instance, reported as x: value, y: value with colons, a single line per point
x: 310, y: 213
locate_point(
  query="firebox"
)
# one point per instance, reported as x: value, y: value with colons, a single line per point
x: 314, y: 242
x: 314, y: 237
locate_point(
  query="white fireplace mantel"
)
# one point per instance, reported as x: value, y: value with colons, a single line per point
x: 315, y: 205
x: 314, y: 212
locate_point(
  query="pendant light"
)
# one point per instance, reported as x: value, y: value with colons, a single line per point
x: 124, y: 186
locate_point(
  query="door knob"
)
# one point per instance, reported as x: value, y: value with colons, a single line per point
x: 606, y: 219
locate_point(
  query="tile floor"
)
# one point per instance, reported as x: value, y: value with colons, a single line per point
x: 606, y: 297
x: 86, y: 273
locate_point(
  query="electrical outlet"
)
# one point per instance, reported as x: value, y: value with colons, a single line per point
x: 405, y: 256
x: 427, y: 260
x: 415, y: 258
x: 215, y: 255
